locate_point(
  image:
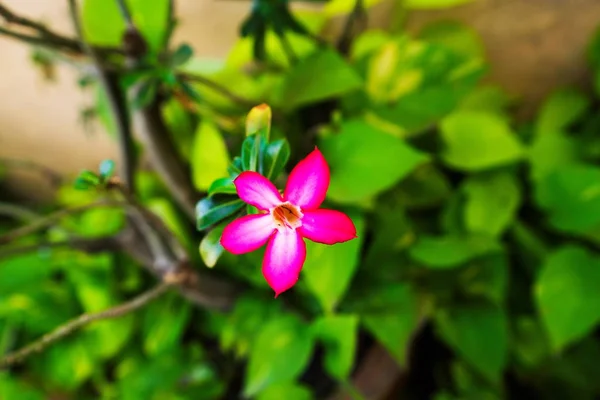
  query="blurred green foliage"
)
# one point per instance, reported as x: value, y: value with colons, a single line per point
x: 481, y: 227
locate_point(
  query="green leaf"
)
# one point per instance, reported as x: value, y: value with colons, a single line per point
x: 181, y: 126
x: 322, y: 75
x: 68, y: 364
x: 182, y: 55
x: 451, y: 251
x: 275, y: 158
x: 328, y: 270
x: 552, y: 151
x: 253, y: 148
x: 106, y: 169
x: 164, y: 323
x: 86, y: 179
x: 166, y: 211
x: 492, y: 201
x: 433, y: 4
x: 362, y: 168
x: 101, y: 222
x: 209, y: 156
x: 11, y: 388
x: 458, y: 37
x: 560, y: 110
x: 338, y: 334
x: 567, y: 295
x: 210, y: 246
x: 392, y: 317
x: 211, y: 210
x: 222, y: 186
x: 103, y: 24
x: 145, y: 93
x: 477, y: 141
x: 479, y: 335
x: 571, y: 197
x: 22, y: 271
x: 280, y: 353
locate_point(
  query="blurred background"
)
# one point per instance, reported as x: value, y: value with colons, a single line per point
x: 463, y: 138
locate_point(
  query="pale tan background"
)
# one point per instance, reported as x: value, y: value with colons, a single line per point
x: 533, y: 45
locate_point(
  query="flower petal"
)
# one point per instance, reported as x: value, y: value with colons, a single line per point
x: 257, y: 190
x: 284, y: 257
x: 327, y: 226
x: 308, y: 182
x: 247, y: 233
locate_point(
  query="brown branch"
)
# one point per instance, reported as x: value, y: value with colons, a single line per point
x: 16, y: 212
x: 243, y: 101
x: 81, y: 321
x: 53, y: 177
x: 88, y: 245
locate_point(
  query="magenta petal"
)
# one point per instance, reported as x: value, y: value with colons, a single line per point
x: 284, y: 257
x: 308, y: 182
x: 257, y: 190
x: 327, y: 226
x: 247, y: 233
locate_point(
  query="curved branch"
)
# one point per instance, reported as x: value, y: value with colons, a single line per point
x: 79, y: 322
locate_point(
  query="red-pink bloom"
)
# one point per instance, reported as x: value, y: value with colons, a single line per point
x: 286, y: 220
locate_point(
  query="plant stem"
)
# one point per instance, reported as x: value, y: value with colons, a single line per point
x: 81, y: 321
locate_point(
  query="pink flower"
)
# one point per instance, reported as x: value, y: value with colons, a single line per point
x: 285, y: 221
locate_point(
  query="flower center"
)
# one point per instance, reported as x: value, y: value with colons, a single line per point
x: 287, y: 215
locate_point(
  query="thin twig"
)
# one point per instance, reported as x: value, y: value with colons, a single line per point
x: 243, y: 101
x: 16, y: 212
x: 54, y: 177
x: 116, y: 99
x: 81, y: 321
x: 88, y: 245
x: 49, y: 220
x: 125, y: 12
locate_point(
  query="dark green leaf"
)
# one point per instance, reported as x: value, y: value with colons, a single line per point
x: 451, y: 251
x: 222, y: 186
x: 567, y: 295
x: 253, y: 149
x: 86, y: 179
x: 145, y: 93
x: 362, y: 168
x: 211, y: 210
x: 275, y: 158
x: 322, y: 75
x: 479, y: 335
x: 181, y: 55
x: 338, y: 334
x: 280, y: 353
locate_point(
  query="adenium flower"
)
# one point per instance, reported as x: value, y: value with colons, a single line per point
x: 284, y: 221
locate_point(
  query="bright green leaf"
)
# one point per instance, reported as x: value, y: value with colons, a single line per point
x: 567, y: 294
x: 168, y: 214
x: 560, y: 110
x: 552, y: 151
x: 362, y: 168
x: 328, y: 270
x: 451, y: 251
x: 280, y: 353
x: 287, y: 391
x: 479, y: 335
x: 477, y: 141
x: 209, y: 156
x: 322, y: 75
x: 222, y: 186
x: 11, y: 388
x: 455, y: 36
x: 492, y: 201
x: 339, y: 335
x: 432, y: 4
x: 164, y: 323
x: 210, y: 246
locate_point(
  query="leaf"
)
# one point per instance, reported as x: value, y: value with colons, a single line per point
x: 169, y: 215
x: 181, y: 126
x: 322, y: 75
x: 22, y: 271
x: 552, y: 151
x: 362, y: 168
x: 288, y: 391
x: 210, y: 246
x: 328, y: 270
x: 100, y: 222
x: 433, y: 4
x: 571, y: 197
x: 11, y: 388
x: 103, y: 24
x: 392, y: 317
x: 339, y: 335
x: 253, y: 148
x: 144, y: 93
x: 451, y: 251
x: 280, y: 353
x: 458, y: 37
x: 211, y: 210
x: 560, y: 110
x: 222, y: 186
x: 164, y: 323
x: 567, y: 296
x: 258, y: 121
x: 209, y: 156
x: 276, y: 156
x: 479, y: 335
x: 182, y: 55
x: 106, y: 169
x: 492, y: 201
x: 68, y: 364
x: 477, y: 141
